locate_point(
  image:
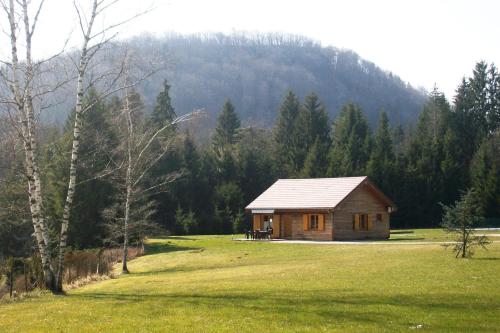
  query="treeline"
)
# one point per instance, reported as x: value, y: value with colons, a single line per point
x: 452, y: 147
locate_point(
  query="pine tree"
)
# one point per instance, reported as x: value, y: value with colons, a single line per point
x: 452, y: 167
x: 162, y: 115
x: 319, y: 119
x: 311, y: 128
x: 383, y: 145
x: 15, y: 225
x: 288, y: 113
x: 301, y: 138
x: 256, y: 167
x: 485, y: 176
x: 380, y: 166
x: 223, y: 141
x: 163, y: 111
x: 477, y: 108
x: 186, y: 223
x: 98, y: 139
x: 228, y: 196
x: 461, y: 219
x: 424, y: 156
x: 351, y: 143
x: 314, y: 165
x: 239, y: 223
x: 227, y: 126
x: 493, y: 116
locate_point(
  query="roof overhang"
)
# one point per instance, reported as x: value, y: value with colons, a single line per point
x: 289, y: 210
x: 262, y: 211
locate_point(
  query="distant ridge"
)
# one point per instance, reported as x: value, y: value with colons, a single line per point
x: 256, y: 70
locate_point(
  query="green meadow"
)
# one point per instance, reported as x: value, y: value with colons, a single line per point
x: 216, y: 284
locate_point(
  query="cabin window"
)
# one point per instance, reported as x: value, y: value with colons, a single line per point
x: 360, y: 222
x: 363, y: 222
x: 313, y: 222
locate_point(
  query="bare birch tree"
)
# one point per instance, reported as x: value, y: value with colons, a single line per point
x: 140, y: 158
x: 20, y: 78
x: 143, y: 147
x: 93, y: 42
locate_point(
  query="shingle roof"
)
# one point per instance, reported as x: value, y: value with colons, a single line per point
x: 325, y: 193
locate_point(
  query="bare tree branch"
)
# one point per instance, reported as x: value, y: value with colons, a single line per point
x: 188, y: 116
x: 169, y: 179
x: 105, y: 174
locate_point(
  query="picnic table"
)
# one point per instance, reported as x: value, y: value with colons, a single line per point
x: 260, y: 234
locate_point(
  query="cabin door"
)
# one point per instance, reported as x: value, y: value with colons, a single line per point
x: 287, y: 226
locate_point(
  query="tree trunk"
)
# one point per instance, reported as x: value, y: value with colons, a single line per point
x: 37, y: 219
x: 125, y: 228
x: 465, y: 238
x: 36, y: 198
x: 128, y: 181
x: 11, y: 278
x: 70, y: 194
x: 464, y: 248
x: 63, y: 240
x: 25, y: 277
x: 24, y: 107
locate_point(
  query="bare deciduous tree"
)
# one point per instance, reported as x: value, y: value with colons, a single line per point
x: 24, y: 88
x: 92, y: 42
x: 18, y: 79
x: 143, y: 148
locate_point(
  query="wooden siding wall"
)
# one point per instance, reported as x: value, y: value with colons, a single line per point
x: 298, y: 232
x: 365, y: 202
x: 276, y: 225
x: 257, y: 221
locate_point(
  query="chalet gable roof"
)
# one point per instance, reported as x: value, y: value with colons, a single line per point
x: 314, y: 193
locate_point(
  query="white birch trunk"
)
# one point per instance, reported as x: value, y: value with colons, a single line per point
x: 30, y: 116
x: 63, y: 240
x: 128, y: 181
x: 27, y: 120
x: 125, y: 224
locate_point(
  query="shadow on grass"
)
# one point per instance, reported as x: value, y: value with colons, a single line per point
x: 289, y: 301
x: 175, y: 238
x: 402, y: 232
x: 313, y: 304
x: 405, y: 239
x: 155, y: 248
x: 486, y: 258
x: 234, y: 263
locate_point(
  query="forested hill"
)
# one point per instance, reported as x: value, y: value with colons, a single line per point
x: 256, y: 71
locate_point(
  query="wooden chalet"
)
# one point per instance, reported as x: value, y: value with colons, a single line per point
x: 346, y: 208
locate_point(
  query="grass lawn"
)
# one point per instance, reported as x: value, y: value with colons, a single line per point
x: 434, y: 235
x: 214, y: 284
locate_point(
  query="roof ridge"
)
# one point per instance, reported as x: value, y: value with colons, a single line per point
x: 350, y: 177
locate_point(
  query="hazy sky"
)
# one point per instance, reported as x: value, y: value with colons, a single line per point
x: 425, y: 42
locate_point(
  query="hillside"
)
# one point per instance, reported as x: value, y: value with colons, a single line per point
x: 255, y: 73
